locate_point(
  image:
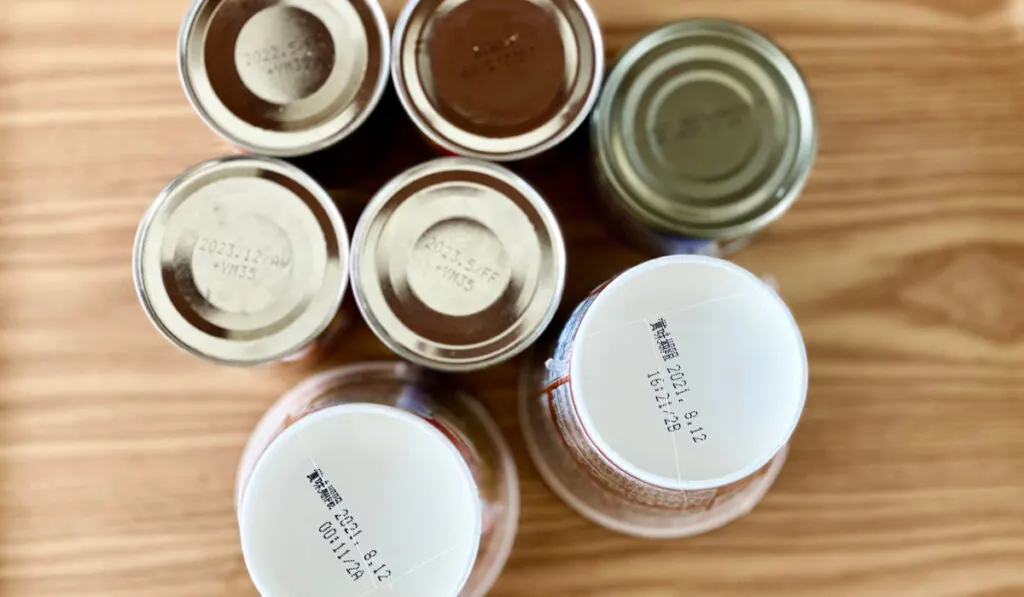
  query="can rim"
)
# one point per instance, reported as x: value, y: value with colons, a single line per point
x: 586, y: 108
x: 142, y: 234
x: 613, y: 456
x: 454, y: 365
x: 301, y: 149
x: 807, y: 146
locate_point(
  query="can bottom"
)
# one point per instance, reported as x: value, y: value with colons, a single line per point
x: 581, y: 493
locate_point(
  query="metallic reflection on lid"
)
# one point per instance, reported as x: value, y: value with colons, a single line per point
x: 705, y: 128
x: 458, y: 264
x: 498, y: 79
x: 242, y: 261
x: 284, y: 78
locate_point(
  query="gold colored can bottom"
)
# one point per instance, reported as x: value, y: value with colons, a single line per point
x: 705, y: 129
x: 284, y: 77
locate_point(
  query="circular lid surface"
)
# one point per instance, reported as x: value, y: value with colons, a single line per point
x: 360, y: 500
x: 705, y: 128
x: 689, y: 372
x: 498, y: 79
x: 458, y: 264
x: 242, y: 260
x: 284, y: 77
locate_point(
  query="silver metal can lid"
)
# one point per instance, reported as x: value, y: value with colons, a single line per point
x: 458, y: 264
x: 242, y: 261
x: 284, y: 78
x: 705, y: 128
x: 498, y: 79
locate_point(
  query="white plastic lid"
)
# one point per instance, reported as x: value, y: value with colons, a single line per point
x: 689, y: 372
x: 409, y: 515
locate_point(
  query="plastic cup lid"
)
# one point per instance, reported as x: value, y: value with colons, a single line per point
x: 689, y: 373
x: 360, y: 500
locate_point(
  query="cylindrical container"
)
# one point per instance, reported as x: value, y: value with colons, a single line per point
x: 667, y: 405
x: 458, y: 264
x: 497, y: 79
x: 243, y: 261
x: 373, y: 479
x: 704, y: 134
x: 284, y: 77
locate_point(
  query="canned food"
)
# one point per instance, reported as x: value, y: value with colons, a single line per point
x: 705, y: 133
x: 284, y: 78
x: 242, y: 261
x: 458, y: 264
x: 373, y: 479
x: 497, y: 79
x: 668, y: 402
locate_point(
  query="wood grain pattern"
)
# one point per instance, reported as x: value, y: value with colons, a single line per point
x: 903, y: 262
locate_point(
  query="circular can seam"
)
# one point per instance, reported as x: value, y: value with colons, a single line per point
x: 806, y: 151
x: 586, y: 109
x: 307, y: 182
x: 372, y: 211
x: 383, y: 75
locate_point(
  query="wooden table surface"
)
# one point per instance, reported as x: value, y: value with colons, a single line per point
x: 903, y: 262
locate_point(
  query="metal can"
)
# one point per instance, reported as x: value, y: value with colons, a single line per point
x: 373, y: 478
x: 704, y: 134
x: 242, y: 261
x: 497, y: 79
x: 284, y: 78
x: 668, y: 401
x: 458, y: 264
